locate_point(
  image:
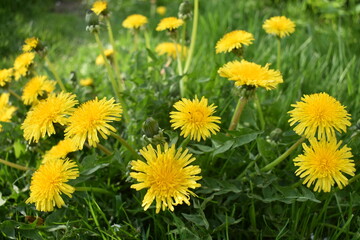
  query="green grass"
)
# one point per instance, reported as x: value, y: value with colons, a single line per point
x: 236, y: 200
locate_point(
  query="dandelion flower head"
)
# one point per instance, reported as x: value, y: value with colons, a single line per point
x: 60, y: 150
x: 30, y: 44
x: 319, y: 115
x: 40, y: 119
x: 108, y: 54
x: 251, y: 74
x: 234, y: 40
x: 161, y: 10
x: 167, y: 175
x: 6, y: 110
x: 86, y: 82
x: 135, y: 21
x: 99, y: 7
x: 280, y: 26
x: 5, y: 76
x: 37, y: 87
x: 91, y: 118
x: 22, y: 64
x: 323, y: 164
x: 195, y: 118
x: 170, y: 50
x: 49, y: 182
x: 169, y: 23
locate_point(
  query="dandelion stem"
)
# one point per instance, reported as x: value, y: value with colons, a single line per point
x: 193, y: 35
x: 56, y: 75
x: 14, y: 94
x: 93, y: 189
x: 260, y: 112
x: 278, y: 60
x: 14, y: 165
x: 283, y: 156
x: 179, y: 64
x: 102, y: 148
x: 126, y: 144
x: 185, y: 142
x: 152, y: 8
x: 115, y: 55
x: 112, y: 79
x: 147, y: 39
x: 353, y: 179
x: 239, y: 108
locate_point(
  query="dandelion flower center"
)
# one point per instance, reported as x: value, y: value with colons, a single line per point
x: 99, y: 7
x: 134, y: 21
x: 169, y: 23
x: 280, y: 26
x: 234, y: 40
x: 194, y: 118
x: 167, y: 175
x: 324, y: 163
x: 319, y: 115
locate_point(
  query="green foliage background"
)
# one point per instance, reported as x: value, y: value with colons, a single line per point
x: 236, y: 200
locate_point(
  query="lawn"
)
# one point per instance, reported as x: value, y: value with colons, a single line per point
x: 255, y: 177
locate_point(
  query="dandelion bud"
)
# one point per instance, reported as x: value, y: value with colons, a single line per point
x: 92, y: 21
x: 150, y: 127
x: 185, y: 10
x: 275, y: 134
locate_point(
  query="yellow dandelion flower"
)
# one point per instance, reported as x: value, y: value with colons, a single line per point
x: 161, y: 10
x: 170, y: 50
x: 5, y: 76
x: 194, y: 118
x: 108, y: 54
x: 35, y: 88
x: 167, y: 175
x: 169, y: 23
x: 234, y: 40
x: 86, y: 82
x: 40, y: 119
x: 280, y: 26
x: 6, y: 110
x: 251, y: 74
x: 63, y: 148
x: 319, y: 115
x: 22, y: 64
x: 323, y: 163
x: 134, y: 21
x: 30, y: 44
x: 99, y: 7
x: 91, y: 118
x: 49, y: 182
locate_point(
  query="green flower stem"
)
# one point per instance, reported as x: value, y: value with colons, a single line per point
x: 182, y: 85
x: 178, y: 57
x: 14, y: 94
x: 152, y: 8
x: 115, y: 54
x: 260, y: 112
x: 112, y: 79
x: 107, y: 65
x: 136, y: 39
x: 193, y: 36
x: 353, y: 179
x: 283, y: 156
x: 14, y: 165
x: 127, y: 145
x: 147, y: 39
x: 239, y: 108
x: 185, y: 142
x: 278, y: 60
x: 56, y: 75
x: 103, y: 148
x: 93, y: 189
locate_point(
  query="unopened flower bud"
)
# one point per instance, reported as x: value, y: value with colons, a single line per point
x: 92, y: 21
x: 185, y: 10
x: 150, y: 127
x: 275, y: 134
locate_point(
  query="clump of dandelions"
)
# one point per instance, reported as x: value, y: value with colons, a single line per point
x: 167, y: 175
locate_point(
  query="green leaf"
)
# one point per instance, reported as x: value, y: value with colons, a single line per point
x: 19, y: 148
x: 197, y: 219
x: 266, y: 149
x: 8, y: 228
